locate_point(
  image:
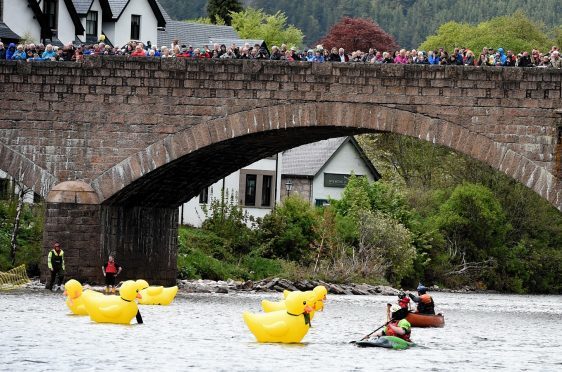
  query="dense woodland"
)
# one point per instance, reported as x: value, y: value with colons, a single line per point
x: 409, y: 21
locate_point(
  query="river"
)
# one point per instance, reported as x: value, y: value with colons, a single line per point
x: 205, y: 332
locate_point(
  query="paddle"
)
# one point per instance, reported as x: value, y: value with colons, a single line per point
x: 369, y: 335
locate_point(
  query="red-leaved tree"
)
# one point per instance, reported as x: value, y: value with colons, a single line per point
x: 358, y: 34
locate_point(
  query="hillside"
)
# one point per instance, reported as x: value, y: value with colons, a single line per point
x: 409, y: 21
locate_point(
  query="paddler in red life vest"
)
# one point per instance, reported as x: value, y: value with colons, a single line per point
x: 110, y: 271
x: 424, y: 301
x: 403, y: 301
x: 398, y: 326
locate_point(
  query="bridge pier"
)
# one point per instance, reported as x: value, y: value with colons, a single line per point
x: 143, y: 240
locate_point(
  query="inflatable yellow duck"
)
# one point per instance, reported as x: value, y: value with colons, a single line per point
x: 156, y: 295
x: 316, y: 299
x: 114, y: 309
x: 285, y: 326
x: 74, y: 297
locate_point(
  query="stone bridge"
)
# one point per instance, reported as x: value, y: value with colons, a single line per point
x: 115, y: 145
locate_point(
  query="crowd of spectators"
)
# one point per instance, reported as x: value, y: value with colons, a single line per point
x: 459, y: 56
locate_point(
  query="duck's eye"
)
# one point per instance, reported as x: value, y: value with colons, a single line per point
x: 304, y: 302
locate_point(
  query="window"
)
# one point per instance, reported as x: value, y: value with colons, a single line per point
x: 1, y: 10
x: 135, y: 27
x: 250, y: 190
x: 204, y: 196
x: 267, y: 187
x: 50, y: 10
x: 257, y: 188
x: 321, y: 202
x: 92, y: 23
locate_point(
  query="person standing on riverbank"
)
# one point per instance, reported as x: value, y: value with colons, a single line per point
x: 110, y: 271
x: 425, y: 304
x: 55, y: 262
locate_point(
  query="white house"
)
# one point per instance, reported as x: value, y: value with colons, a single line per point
x: 64, y: 21
x: 133, y: 20
x: 317, y: 172
x: 254, y: 187
x: 49, y: 21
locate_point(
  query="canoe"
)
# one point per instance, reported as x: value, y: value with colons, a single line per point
x: 389, y: 342
x: 425, y: 320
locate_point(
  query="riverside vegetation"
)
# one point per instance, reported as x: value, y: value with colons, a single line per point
x: 435, y: 216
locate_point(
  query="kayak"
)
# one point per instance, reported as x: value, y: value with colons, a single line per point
x: 425, y: 320
x: 389, y: 342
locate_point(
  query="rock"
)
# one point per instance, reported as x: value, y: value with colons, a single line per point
x: 247, y: 285
x: 285, y: 284
x: 221, y: 289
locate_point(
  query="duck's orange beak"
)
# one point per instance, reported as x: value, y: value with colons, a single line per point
x: 65, y: 293
x: 308, y: 309
x: 139, y: 295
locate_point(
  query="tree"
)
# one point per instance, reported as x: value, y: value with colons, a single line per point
x: 256, y: 24
x: 358, y: 34
x: 516, y: 32
x: 223, y: 9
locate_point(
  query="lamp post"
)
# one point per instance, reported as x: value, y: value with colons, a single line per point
x: 288, y: 187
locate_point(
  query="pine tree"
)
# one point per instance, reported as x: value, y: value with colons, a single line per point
x: 221, y: 9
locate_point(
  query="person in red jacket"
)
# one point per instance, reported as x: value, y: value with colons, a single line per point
x: 139, y: 51
x: 110, y: 271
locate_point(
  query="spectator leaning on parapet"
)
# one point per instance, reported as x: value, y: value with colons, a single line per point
x: 2, y: 51
x: 555, y: 60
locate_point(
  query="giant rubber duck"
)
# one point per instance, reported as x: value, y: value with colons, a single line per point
x: 114, y: 309
x: 156, y: 295
x: 74, y: 297
x: 284, y: 326
x: 316, y: 299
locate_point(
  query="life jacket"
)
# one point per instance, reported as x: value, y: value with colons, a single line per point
x: 404, y: 302
x: 57, y: 260
x: 389, y: 332
x: 111, y: 268
x: 426, y: 305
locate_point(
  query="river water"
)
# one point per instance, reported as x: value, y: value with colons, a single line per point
x: 205, y: 332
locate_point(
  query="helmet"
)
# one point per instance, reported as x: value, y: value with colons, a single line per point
x: 421, y: 289
x: 401, y: 294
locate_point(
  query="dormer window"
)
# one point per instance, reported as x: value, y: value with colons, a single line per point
x: 50, y: 9
x: 92, y: 24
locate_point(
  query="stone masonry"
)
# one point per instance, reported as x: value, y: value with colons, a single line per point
x: 147, y: 135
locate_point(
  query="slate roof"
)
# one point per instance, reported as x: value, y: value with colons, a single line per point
x: 117, y: 7
x: 82, y: 6
x: 308, y: 160
x: 194, y: 34
x: 7, y: 33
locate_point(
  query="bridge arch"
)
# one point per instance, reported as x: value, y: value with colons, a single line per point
x: 192, y: 158
x: 25, y: 171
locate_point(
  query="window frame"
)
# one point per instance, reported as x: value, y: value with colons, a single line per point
x: 135, y: 27
x: 204, y: 196
x: 90, y: 21
x: 51, y: 17
x: 259, y: 174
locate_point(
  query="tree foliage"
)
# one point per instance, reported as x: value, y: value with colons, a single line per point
x: 358, y: 34
x: 515, y: 32
x: 223, y: 9
x: 255, y: 24
x: 410, y: 22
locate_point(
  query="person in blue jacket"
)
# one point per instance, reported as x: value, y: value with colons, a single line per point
x: 19, y: 54
x: 10, y: 51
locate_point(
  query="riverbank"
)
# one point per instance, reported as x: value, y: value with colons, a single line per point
x: 279, y: 285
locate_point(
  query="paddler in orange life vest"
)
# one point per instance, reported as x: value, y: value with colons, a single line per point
x: 424, y: 301
x: 110, y: 271
x: 398, y: 326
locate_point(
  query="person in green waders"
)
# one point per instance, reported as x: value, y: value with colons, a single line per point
x: 55, y: 262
